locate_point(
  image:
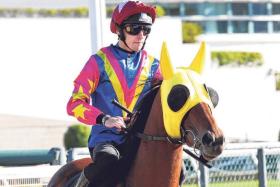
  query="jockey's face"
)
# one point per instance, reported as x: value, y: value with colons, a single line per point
x: 135, y: 36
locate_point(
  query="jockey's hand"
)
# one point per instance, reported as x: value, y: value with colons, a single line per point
x: 117, y: 122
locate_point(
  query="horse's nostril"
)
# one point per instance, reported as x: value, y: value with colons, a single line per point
x: 208, y: 139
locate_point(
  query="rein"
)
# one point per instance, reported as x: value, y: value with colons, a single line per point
x: 184, y: 132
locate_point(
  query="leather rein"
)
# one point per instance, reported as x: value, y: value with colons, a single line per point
x: 184, y: 133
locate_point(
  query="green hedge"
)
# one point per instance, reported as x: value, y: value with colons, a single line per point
x: 160, y: 11
x: 66, y: 12
x: 76, y: 136
x: 32, y: 12
x: 237, y: 58
x: 277, y: 84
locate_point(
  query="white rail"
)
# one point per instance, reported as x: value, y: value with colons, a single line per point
x: 26, y: 176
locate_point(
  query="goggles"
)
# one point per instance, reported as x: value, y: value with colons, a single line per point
x: 135, y: 29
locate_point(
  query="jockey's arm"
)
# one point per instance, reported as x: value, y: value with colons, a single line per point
x: 79, y: 103
x: 84, y: 85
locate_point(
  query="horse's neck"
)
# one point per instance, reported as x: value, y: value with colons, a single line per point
x: 157, y: 163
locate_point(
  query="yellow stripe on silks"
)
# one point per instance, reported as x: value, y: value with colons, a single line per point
x: 141, y: 82
x: 79, y: 111
x: 80, y: 94
x: 91, y: 85
x: 114, y: 79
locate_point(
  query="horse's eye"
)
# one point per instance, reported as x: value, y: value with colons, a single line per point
x: 213, y: 95
x: 178, y: 97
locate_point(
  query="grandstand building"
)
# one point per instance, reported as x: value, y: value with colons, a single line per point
x: 224, y: 16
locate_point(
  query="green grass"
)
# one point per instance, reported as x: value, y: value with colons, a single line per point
x: 270, y: 183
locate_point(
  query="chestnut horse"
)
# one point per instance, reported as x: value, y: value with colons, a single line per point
x: 177, y: 112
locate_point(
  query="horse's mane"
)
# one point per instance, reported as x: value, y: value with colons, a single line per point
x: 143, y: 108
x: 132, y: 143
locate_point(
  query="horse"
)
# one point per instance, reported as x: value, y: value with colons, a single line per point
x: 176, y: 112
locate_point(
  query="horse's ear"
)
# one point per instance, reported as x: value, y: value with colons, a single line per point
x: 213, y: 96
x: 198, y: 62
x: 166, y: 68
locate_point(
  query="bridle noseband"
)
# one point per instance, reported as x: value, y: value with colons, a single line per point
x: 184, y: 133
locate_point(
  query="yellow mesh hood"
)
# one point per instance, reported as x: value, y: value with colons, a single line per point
x: 187, y: 76
x: 198, y: 94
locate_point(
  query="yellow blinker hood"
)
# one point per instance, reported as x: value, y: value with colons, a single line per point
x: 186, y: 76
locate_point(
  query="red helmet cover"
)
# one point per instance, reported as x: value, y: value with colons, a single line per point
x: 129, y: 8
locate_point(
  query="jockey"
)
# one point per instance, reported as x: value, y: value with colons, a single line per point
x: 123, y: 71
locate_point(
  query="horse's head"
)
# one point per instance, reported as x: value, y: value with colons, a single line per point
x: 188, y: 105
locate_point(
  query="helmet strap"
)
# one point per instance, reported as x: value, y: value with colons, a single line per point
x: 144, y: 42
x: 122, y: 38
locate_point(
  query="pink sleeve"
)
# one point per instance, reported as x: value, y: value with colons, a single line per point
x: 84, y: 85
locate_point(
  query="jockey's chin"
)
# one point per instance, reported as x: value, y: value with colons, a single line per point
x: 137, y: 46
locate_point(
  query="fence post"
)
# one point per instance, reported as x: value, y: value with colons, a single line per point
x: 262, y: 168
x: 203, y: 176
x: 62, y: 158
x: 70, y: 155
x: 59, y: 156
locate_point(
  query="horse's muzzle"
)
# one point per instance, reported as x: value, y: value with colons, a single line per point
x: 211, y: 146
x: 208, y: 139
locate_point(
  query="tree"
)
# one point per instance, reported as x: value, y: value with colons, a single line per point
x: 190, y: 31
x: 76, y: 136
x: 160, y: 11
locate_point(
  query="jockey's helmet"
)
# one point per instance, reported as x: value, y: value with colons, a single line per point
x: 132, y: 12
